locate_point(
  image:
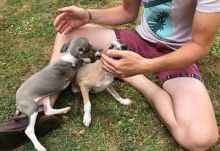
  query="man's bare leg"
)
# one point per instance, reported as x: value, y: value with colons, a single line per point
x: 184, y: 107
x: 159, y: 99
x: 197, y: 128
x: 174, y: 108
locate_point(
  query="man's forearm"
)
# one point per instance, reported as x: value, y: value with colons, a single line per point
x: 183, y: 57
x: 111, y: 16
x: 125, y: 13
x: 205, y: 26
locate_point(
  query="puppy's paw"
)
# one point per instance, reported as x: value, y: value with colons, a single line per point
x: 86, y: 60
x: 125, y: 101
x: 87, y: 119
x: 39, y: 147
x: 66, y: 110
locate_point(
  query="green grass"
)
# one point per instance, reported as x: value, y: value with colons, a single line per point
x: 27, y: 37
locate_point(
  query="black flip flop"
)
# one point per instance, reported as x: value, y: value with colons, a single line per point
x: 12, y: 134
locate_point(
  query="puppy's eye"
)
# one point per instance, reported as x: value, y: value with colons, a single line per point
x: 81, y: 49
x: 111, y: 46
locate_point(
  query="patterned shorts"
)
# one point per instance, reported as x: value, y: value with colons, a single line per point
x: 152, y: 50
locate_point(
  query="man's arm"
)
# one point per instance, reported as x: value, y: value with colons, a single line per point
x: 73, y: 17
x: 205, y: 26
x: 125, y: 13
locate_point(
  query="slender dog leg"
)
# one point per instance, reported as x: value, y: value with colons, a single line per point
x: 112, y: 91
x: 31, y: 134
x: 87, y: 105
x: 48, y: 110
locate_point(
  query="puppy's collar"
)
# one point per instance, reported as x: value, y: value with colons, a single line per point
x: 69, y: 58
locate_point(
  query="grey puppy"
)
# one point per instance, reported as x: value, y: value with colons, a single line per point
x: 36, y: 90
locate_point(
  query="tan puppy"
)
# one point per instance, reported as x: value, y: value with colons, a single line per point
x: 92, y: 78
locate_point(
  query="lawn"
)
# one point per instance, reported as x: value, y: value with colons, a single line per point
x: 26, y: 43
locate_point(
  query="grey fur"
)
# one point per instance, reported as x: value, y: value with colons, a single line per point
x: 52, y: 79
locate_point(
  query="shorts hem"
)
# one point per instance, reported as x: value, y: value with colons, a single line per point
x: 187, y: 75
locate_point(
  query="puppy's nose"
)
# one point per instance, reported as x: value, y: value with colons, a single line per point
x: 124, y: 47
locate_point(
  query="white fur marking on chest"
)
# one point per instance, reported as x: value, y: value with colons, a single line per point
x: 102, y: 85
x: 69, y: 58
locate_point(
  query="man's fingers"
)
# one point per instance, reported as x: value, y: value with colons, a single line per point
x: 108, y: 60
x: 111, y: 70
x: 115, y: 53
x: 108, y: 70
x: 58, y: 19
x: 107, y: 66
x: 66, y: 9
x: 68, y: 29
x: 61, y: 25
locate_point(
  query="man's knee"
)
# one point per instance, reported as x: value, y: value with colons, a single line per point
x: 94, y: 33
x: 195, y: 138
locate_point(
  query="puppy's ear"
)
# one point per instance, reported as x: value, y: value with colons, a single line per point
x: 65, y: 47
x: 124, y: 47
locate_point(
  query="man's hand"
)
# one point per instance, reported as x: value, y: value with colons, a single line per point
x: 129, y: 64
x: 70, y: 18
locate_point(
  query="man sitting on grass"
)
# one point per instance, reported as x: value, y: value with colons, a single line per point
x: 171, y: 38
